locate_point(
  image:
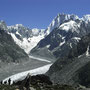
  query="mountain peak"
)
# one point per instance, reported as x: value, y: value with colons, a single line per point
x: 19, y: 25
x: 86, y: 18
x: 66, y: 16
x: 59, y: 19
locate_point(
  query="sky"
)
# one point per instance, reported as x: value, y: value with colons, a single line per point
x: 40, y: 13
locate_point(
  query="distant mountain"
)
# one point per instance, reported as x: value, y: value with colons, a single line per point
x: 66, y: 31
x: 9, y: 50
x: 25, y: 37
x: 75, y: 67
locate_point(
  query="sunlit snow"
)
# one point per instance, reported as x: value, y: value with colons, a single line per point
x: 87, y: 52
x: 27, y: 44
x: 62, y: 43
x: 71, y: 25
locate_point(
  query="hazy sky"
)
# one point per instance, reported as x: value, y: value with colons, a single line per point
x: 39, y: 13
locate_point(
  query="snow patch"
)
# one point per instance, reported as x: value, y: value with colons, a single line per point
x: 18, y: 33
x: 71, y: 45
x: 87, y: 52
x: 62, y: 43
x: 80, y: 56
x: 76, y: 38
x: 63, y: 37
x: 48, y: 46
x: 15, y: 39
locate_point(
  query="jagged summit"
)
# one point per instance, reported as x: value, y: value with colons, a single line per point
x: 19, y: 25
x: 62, y: 18
x: 86, y: 18
x: 59, y: 19
x: 3, y: 25
x: 70, y: 26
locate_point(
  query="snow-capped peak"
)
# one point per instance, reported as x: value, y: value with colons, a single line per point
x: 59, y: 19
x: 86, y: 18
x: 19, y: 25
x: 16, y: 26
x: 26, y: 38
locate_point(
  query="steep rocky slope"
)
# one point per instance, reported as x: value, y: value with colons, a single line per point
x: 9, y: 50
x: 75, y: 67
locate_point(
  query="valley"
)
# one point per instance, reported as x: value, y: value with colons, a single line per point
x: 44, y: 44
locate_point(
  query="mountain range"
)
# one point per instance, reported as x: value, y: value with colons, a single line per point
x: 63, y: 32
x: 65, y: 42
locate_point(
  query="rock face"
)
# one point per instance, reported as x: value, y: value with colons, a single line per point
x: 9, y: 50
x: 40, y: 82
x: 75, y: 67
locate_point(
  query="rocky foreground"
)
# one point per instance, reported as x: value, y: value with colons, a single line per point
x: 38, y: 82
